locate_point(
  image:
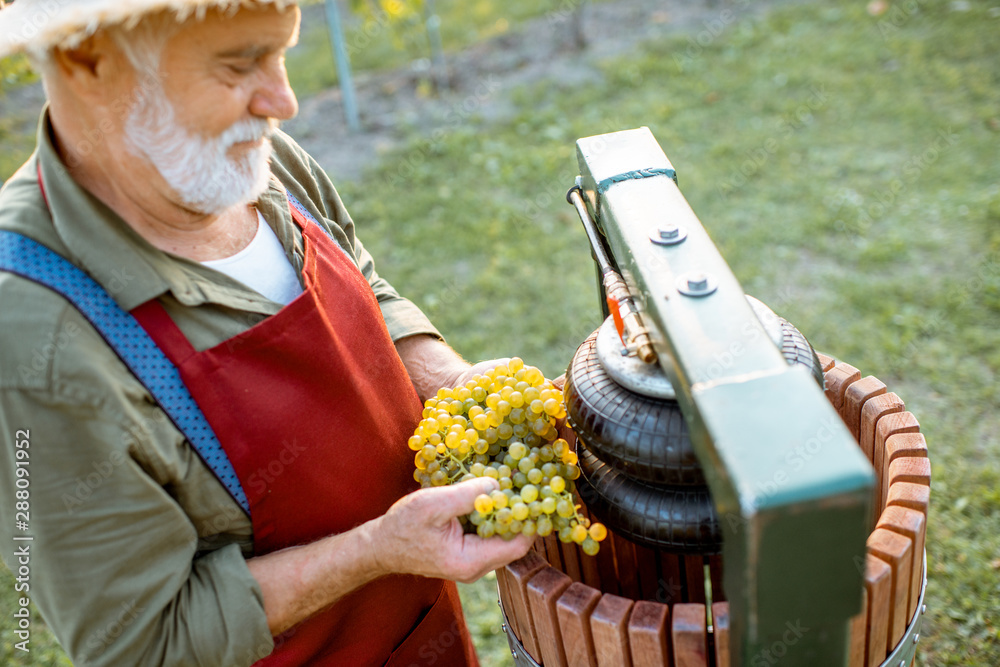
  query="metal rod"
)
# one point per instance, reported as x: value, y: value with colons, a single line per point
x: 634, y: 331
x: 336, y: 31
x: 433, y: 23
x: 574, y: 198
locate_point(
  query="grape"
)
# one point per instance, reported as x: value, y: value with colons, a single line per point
x: 484, y: 504
x: 558, y: 484
x: 565, y: 509
x: 499, y: 500
x: 598, y: 532
x: 529, y: 492
x: 502, y: 424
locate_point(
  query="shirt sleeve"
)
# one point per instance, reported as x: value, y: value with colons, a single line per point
x: 113, y: 562
x: 311, y: 184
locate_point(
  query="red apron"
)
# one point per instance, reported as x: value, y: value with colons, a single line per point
x: 313, y: 407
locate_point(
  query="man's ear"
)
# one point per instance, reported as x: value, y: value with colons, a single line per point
x: 91, y: 68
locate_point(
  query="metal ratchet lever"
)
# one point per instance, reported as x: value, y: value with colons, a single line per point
x: 627, y: 318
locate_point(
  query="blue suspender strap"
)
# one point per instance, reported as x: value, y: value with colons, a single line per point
x: 24, y: 257
x: 302, y: 209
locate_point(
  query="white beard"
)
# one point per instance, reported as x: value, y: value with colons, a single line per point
x: 199, y: 170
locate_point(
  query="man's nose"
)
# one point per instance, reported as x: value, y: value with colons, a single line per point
x: 274, y: 97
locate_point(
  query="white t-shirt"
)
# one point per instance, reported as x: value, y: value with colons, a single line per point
x: 262, y: 266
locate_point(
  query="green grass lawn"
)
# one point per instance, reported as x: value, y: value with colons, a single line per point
x: 847, y: 167
x: 380, y: 40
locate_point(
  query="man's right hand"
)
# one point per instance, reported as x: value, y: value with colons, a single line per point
x: 421, y: 534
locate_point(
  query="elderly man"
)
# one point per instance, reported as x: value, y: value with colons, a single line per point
x: 205, y: 387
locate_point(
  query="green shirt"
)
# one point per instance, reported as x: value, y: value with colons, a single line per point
x: 138, y: 556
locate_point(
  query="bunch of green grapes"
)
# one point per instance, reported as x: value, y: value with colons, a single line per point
x: 503, y: 425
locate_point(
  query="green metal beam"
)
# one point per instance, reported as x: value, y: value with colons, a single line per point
x: 791, y: 487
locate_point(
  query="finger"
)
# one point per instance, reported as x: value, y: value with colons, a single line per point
x: 457, y: 499
x: 496, y: 552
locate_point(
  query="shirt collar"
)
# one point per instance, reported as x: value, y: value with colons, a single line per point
x: 131, y: 269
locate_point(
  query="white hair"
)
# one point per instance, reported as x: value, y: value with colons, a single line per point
x: 141, y: 42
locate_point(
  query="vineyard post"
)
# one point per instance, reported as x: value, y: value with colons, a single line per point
x: 343, y: 64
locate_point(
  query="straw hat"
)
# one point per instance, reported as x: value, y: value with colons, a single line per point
x: 39, y: 25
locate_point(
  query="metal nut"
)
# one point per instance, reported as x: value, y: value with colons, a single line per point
x: 916, y: 638
x: 669, y: 234
x: 697, y: 282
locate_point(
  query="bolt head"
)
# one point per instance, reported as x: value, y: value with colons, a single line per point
x: 923, y: 609
x: 668, y: 232
x: 698, y: 281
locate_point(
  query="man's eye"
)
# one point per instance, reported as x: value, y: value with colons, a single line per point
x: 241, y: 67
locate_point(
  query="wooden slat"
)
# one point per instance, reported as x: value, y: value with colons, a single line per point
x: 506, y: 601
x: 694, y: 576
x: 671, y: 589
x: 574, y: 608
x: 590, y: 567
x: 609, y: 623
x: 897, y: 551
x: 914, y: 496
x: 606, y: 567
x: 911, y: 469
x: 647, y: 634
x: 518, y: 574
x: 628, y: 580
x: 878, y: 592
x: 858, y: 634
x: 888, y: 426
x: 871, y: 413
x: 855, y: 398
x: 720, y: 628
x: 899, y: 446
x: 571, y: 560
x: 649, y: 578
x: 838, y: 379
x: 544, y: 590
x: 912, y: 524
x: 825, y: 362
x: 716, y: 572
x: 552, y: 551
x: 689, y: 635
x: 538, y: 546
